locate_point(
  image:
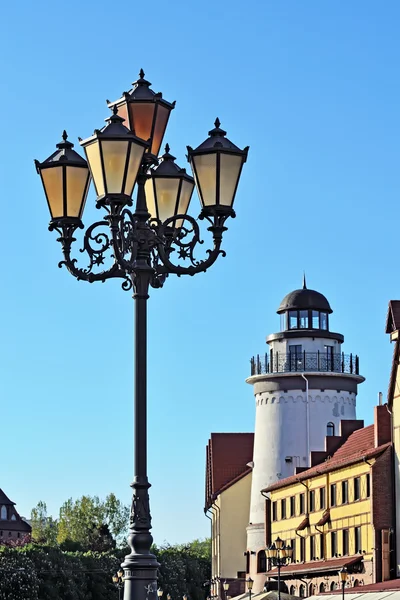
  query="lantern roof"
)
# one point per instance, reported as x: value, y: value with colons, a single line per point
x: 168, y: 167
x: 63, y: 153
x: 114, y: 129
x: 218, y: 141
x: 141, y: 92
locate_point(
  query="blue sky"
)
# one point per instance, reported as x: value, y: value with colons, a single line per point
x: 313, y: 88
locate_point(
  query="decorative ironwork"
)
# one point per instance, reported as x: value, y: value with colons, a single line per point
x: 277, y: 362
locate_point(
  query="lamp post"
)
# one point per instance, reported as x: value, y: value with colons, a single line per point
x: 249, y: 582
x: 279, y: 555
x: 118, y: 581
x: 143, y: 246
x: 225, y: 585
x: 343, y: 577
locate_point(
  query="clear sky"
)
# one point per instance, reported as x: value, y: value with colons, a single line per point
x: 313, y: 88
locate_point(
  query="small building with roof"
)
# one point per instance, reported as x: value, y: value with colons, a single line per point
x: 338, y: 513
x: 13, y: 529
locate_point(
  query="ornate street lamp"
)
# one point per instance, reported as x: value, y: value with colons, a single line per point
x: 144, y: 246
x: 145, y: 112
x: 118, y: 581
x: 225, y: 585
x: 279, y: 555
x: 343, y: 577
x: 249, y: 583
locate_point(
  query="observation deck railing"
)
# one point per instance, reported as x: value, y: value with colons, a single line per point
x: 320, y: 362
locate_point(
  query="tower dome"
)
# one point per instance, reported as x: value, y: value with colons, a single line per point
x: 304, y: 299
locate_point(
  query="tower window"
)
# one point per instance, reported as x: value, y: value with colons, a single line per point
x: 3, y: 513
x: 303, y: 319
x: 261, y: 562
x: 293, y: 314
x: 330, y: 429
x: 315, y: 319
x: 323, y: 320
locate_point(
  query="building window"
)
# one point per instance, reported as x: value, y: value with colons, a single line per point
x: 345, y: 492
x: 356, y: 482
x: 13, y: 518
x: 323, y: 320
x: 312, y: 501
x: 321, y: 588
x: 247, y: 555
x: 312, y: 589
x: 302, y: 549
x: 357, y: 538
x: 292, y: 590
x: 321, y: 546
x: 368, y: 484
x: 302, y: 591
x: 3, y: 513
x: 9, y: 534
x: 292, y: 506
x: 355, y: 584
x: 315, y: 319
x: 303, y: 319
x: 283, y: 509
x: 330, y: 429
x: 293, y: 319
x: 18, y: 534
x: 321, y: 498
x: 333, y: 586
x: 274, y: 512
x: 312, y: 547
x: 261, y: 562
x: 333, y: 544
x: 293, y: 546
x: 333, y: 494
x: 1, y: 534
x: 301, y: 503
x: 345, y: 542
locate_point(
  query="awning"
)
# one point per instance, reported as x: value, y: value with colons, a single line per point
x: 305, y: 523
x: 324, y: 519
x: 316, y: 566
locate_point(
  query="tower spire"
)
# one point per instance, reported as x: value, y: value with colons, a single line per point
x: 304, y: 281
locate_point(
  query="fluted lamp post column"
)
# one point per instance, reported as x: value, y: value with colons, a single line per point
x: 343, y: 578
x: 279, y: 555
x: 142, y: 246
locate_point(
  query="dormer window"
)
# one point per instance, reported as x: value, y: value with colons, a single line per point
x: 13, y: 518
x: 3, y: 513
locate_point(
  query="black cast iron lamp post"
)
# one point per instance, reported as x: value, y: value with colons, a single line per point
x: 279, y: 555
x: 249, y: 583
x: 118, y: 581
x: 142, y: 246
x: 343, y: 577
x: 225, y: 585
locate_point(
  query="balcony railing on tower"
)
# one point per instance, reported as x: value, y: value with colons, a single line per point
x: 277, y: 362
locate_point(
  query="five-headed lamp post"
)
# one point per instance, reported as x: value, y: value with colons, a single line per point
x: 143, y: 246
x: 279, y: 555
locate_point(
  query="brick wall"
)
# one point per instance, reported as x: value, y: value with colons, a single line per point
x: 382, y: 491
x: 382, y: 426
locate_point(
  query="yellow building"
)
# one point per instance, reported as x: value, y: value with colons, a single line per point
x: 227, y: 503
x: 338, y: 513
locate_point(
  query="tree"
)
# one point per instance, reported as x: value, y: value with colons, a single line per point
x: 91, y: 523
x: 44, y: 528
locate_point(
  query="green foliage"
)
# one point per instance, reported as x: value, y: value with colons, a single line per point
x: 44, y: 528
x: 18, y: 578
x: 92, y: 524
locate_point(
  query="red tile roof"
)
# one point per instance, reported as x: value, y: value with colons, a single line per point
x: 335, y: 564
x: 359, y: 445
x: 227, y: 457
x: 392, y: 584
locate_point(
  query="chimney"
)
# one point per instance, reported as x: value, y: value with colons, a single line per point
x: 382, y: 426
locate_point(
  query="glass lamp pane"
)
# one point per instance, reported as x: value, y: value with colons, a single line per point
x: 184, y: 200
x: 76, y: 184
x: 205, y: 173
x: 142, y: 118
x: 114, y: 159
x: 150, y: 198
x: 93, y: 157
x: 123, y: 113
x: 166, y: 195
x: 53, y: 184
x: 230, y: 166
x: 135, y: 158
x: 159, y: 129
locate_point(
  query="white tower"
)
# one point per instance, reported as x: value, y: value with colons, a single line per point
x: 303, y: 387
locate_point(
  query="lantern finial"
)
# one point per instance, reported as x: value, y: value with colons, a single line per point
x: 217, y: 122
x: 141, y: 74
x: 167, y: 148
x: 64, y: 135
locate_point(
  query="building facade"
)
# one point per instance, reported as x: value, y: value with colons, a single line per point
x: 304, y: 387
x: 338, y: 513
x: 227, y: 504
x: 393, y: 329
x: 13, y: 529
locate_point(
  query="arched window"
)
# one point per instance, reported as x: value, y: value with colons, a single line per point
x: 356, y: 583
x: 330, y: 429
x: 13, y: 518
x: 247, y: 555
x: 261, y: 562
x: 333, y: 586
x: 321, y: 588
x: 311, y: 589
x: 3, y: 513
x: 292, y: 590
x: 302, y: 591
